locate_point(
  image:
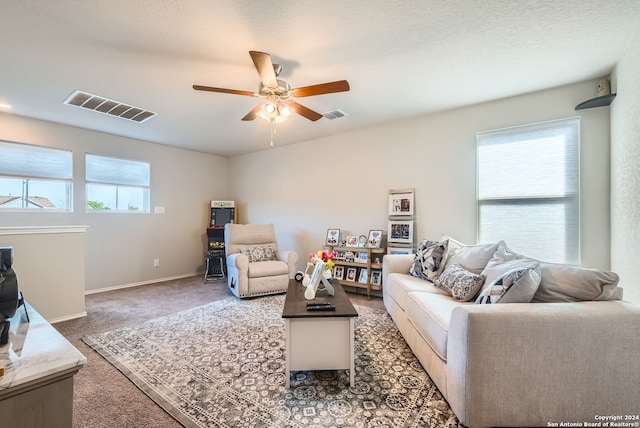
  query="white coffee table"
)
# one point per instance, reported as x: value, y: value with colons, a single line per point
x: 318, y: 340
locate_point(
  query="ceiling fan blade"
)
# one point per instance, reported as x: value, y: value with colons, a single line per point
x: 323, y: 88
x: 223, y: 90
x: 253, y: 113
x: 304, y: 111
x: 264, y: 65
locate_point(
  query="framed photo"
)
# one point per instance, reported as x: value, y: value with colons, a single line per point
x: 401, y: 204
x: 352, y: 241
x: 376, y: 277
x: 399, y: 250
x: 400, y: 231
x: 361, y: 257
x: 351, y: 274
x: 364, y: 276
x: 333, y: 237
x: 338, y: 272
x: 349, y: 256
x: 375, y: 239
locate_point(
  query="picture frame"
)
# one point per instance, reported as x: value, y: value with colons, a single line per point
x: 363, y: 278
x: 333, y: 237
x: 401, y: 204
x: 400, y: 231
x: 375, y: 239
x: 352, y: 241
x: 376, y: 277
x: 351, y: 274
x: 399, y: 250
x: 338, y: 272
x: 361, y: 257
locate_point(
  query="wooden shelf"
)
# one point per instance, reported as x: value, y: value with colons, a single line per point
x: 602, y: 101
x: 369, y: 265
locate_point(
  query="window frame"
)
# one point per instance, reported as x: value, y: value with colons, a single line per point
x: 569, y: 201
x: 42, y: 174
x: 117, y: 183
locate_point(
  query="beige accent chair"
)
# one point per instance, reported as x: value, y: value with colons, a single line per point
x: 258, y: 277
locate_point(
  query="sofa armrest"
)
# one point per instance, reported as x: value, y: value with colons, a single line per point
x: 290, y: 258
x: 533, y: 363
x: 395, y: 263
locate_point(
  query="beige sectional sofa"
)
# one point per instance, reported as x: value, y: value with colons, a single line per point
x: 522, y: 364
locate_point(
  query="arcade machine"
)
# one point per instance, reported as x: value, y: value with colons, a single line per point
x: 222, y: 212
x: 10, y: 298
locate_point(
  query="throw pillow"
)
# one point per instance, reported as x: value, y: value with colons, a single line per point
x: 503, y: 261
x: 473, y: 257
x: 428, y: 262
x: 569, y: 283
x: 259, y: 254
x: 460, y: 283
x: 517, y: 285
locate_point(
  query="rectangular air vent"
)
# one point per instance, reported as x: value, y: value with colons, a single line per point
x: 334, y: 114
x: 107, y: 106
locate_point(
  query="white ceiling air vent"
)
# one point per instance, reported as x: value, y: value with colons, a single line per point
x: 107, y: 106
x: 334, y: 114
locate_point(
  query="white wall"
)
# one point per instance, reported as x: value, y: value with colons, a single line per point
x: 120, y: 248
x: 625, y: 166
x: 343, y: 181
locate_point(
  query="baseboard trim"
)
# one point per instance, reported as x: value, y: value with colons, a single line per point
x: 136, y: 284
x: 68, y: 317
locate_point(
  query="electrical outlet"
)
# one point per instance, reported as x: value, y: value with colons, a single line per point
x: 156, y: 262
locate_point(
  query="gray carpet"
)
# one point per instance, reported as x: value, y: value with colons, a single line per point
x: 222, y: 365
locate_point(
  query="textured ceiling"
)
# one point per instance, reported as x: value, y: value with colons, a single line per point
x: 402, y: 59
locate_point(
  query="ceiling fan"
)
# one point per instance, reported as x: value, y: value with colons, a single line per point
x: 277, y: 93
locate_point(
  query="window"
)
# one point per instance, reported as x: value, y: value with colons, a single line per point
x: 528, y: 189
x: 117, y: 185
x: 35, y: 177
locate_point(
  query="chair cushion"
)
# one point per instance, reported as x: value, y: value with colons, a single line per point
x: 267, y: 268
x: 430, y: 314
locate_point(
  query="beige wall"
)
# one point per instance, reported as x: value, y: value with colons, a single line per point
x: 49, y: 265
x: 343, y: 181
x: 120, y: 248
x: 306, y: 188
x: 625, y: 164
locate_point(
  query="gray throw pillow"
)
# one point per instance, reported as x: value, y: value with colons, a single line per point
x: 259, y: 254
x: 460, y: 283
x: 517, y: 285
x: 428, y: 262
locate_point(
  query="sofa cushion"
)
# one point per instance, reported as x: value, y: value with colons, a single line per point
x: 472, y: 257
x: 259, y: 253
x: 398, y: 285
x: 430, y: 314
x: 428, y: 262
x: 569, y: 283
x: 460, y: 283
x: 517, y: 285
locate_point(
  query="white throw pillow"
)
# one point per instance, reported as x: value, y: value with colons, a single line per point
x: 472, y: 257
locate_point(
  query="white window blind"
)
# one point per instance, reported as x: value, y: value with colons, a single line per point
x: 115, y: 184
x: 24, y: 160
x: 35, y: 177
x: 529, y: 188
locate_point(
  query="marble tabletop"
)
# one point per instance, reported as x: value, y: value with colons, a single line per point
x: 35, y: 351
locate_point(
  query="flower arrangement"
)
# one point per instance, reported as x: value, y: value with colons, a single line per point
x: 324, y: 255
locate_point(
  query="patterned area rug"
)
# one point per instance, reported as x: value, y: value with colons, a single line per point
x: 223, y: 365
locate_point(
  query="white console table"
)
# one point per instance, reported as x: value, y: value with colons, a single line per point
x: 36, y: 389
